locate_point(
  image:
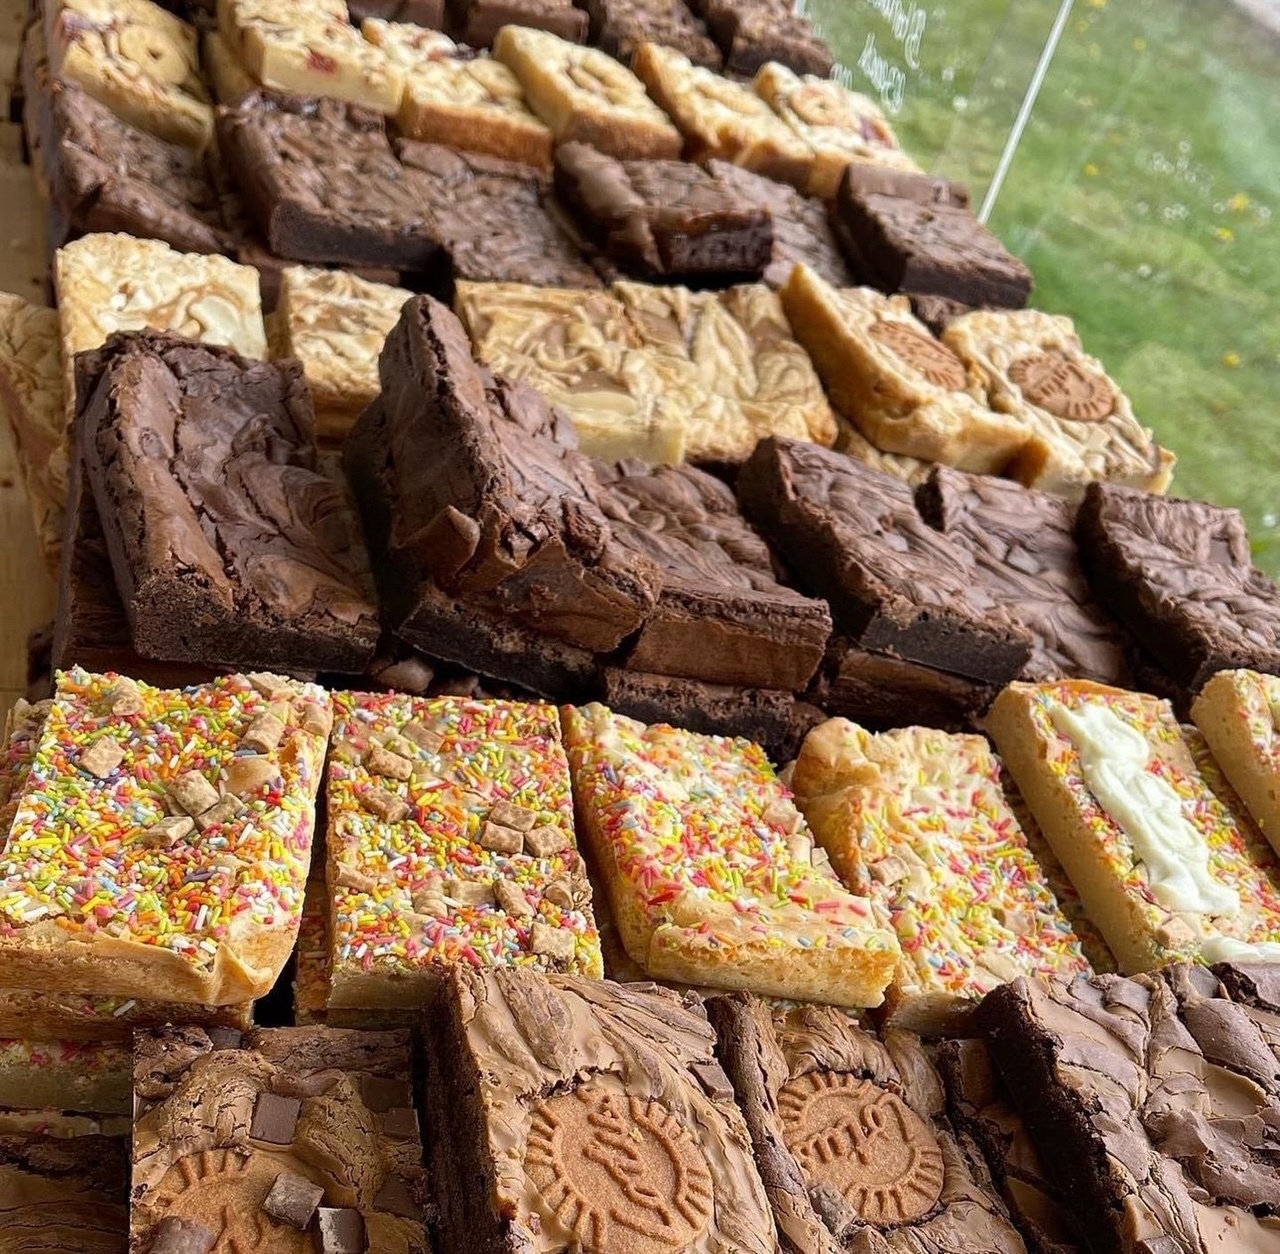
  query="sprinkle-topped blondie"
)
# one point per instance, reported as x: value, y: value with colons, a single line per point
x: 161, y: 843
x: 712, y: 873
x: 450, y: 841
x: 1163, y: 867
x: 916, y: 819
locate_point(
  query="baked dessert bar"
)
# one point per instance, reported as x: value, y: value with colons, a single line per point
x: 450, y: 842
x: 105, y: 175
x: 202, y: 801
x: 89, y: 1077
x: 663, y: 219
x: 31, y: 395
x: 850, y: 440
x: 230, y: 81
x: 1079, y: 426
x: 477, y: 22
x: 228, y: 544
x: 916, y: 820
x: 540, y: 1081
x: 581, y: 352
x: 335, y: 324
x: 1238, y: 713
x: 841, y: 126
x: 492, y: 220
x: 471, y: 103
x: 138, y: 60
x: 621, y: 26
x: 1179, y: 575
x: 316, y: 1139
x: 1094, y: 1066
x: 801, y: 229
x: 906, y: 232
x: 323, y: 185
x: 851, y: 1135
x: 723, y: 119
x: 63, y: 1125
x: 758, y: 380
x: 1023, y: 550
x: 894, y: 584
x: 312, y: 49
x: 311, y: 958
x: 426, y: 13
x: 906, y: 391
x: 711, y: 870
x: 721, y: 615
x: 985, y: 1117
x: 584, y: 94
x: 751, y: 33
x: 1164, y: 869
x: 69, y: 1192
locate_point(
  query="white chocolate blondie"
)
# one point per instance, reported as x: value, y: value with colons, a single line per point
x: 584, y: 94
x: 907, y: 392
x: 137, y: 59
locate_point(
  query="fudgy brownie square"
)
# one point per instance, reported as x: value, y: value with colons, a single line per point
x: 476, y: 22
x: 229, y: 546
x: 578, y: 1114
x: 664, y: 219
x: 753, y: 32
x: 621, y: 26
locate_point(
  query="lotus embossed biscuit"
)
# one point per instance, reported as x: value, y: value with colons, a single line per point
x: 161, y: 844
x: 450, y: 842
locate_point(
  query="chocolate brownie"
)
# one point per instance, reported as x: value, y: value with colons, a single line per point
x: 1023, y: 552
x: 938, y: 312
x: 880, y: 691
x: 905, y: 232
x: 491, y: 498
x: 277, y: 1139
x: 771, y: 718
x: 1252, y: 984
x: 1178, y: 573
x: 491, y: 220
x: 985, y: 1118
x: 752, y: 32
x: 621, y: 26
x: 322, y: 183
x: 851, y: 1135
x: 852, y: 535
x: 1161, y: 1127
x: 801, y: 226
x: 476, y: 22
x: 105, y: 175
x: 416, y: 12
x: 664, y: 219
x: 64, y: 1193
x: 722, y: 614
x: 576, y: 1114
x: 229, y: 546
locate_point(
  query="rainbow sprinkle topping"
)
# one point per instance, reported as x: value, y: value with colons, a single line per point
x: 75, y: 857
x: 411, y: 882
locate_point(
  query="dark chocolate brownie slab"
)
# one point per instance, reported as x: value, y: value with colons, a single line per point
x: 621, y: 26
x: 229, y: 546
x: 851, y: 1135
x: 429, y: 13
x: 476, y: 22
x: 909, y: 233
x: 1023, y: 551
x: 663, y: 219
x: 491, y: 219
x: 752, y: 32
x: 579, y: 1114
x: 1161, y: 1128
x: 1178, y: 573
x: 286, y: 1139
x: 852, y: 535
x: 323, y: 185
x: 801, y: 226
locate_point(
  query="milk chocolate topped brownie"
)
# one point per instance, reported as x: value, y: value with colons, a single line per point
x: 476, y: 22
x: 1025, y: 554
x: 1179, y: 574
x: 64, y: 1193
x: 909, y: 233
x: 1161, y: 1127
x: 287, y: 1139
x: 669, y: 219
x: 323, y: 185
x: 851, y: 1135
x: 621, y: 26
x: 751, y: 33
x: 586, y: 1115
x: 228, y: 544
x: 853, y: 535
